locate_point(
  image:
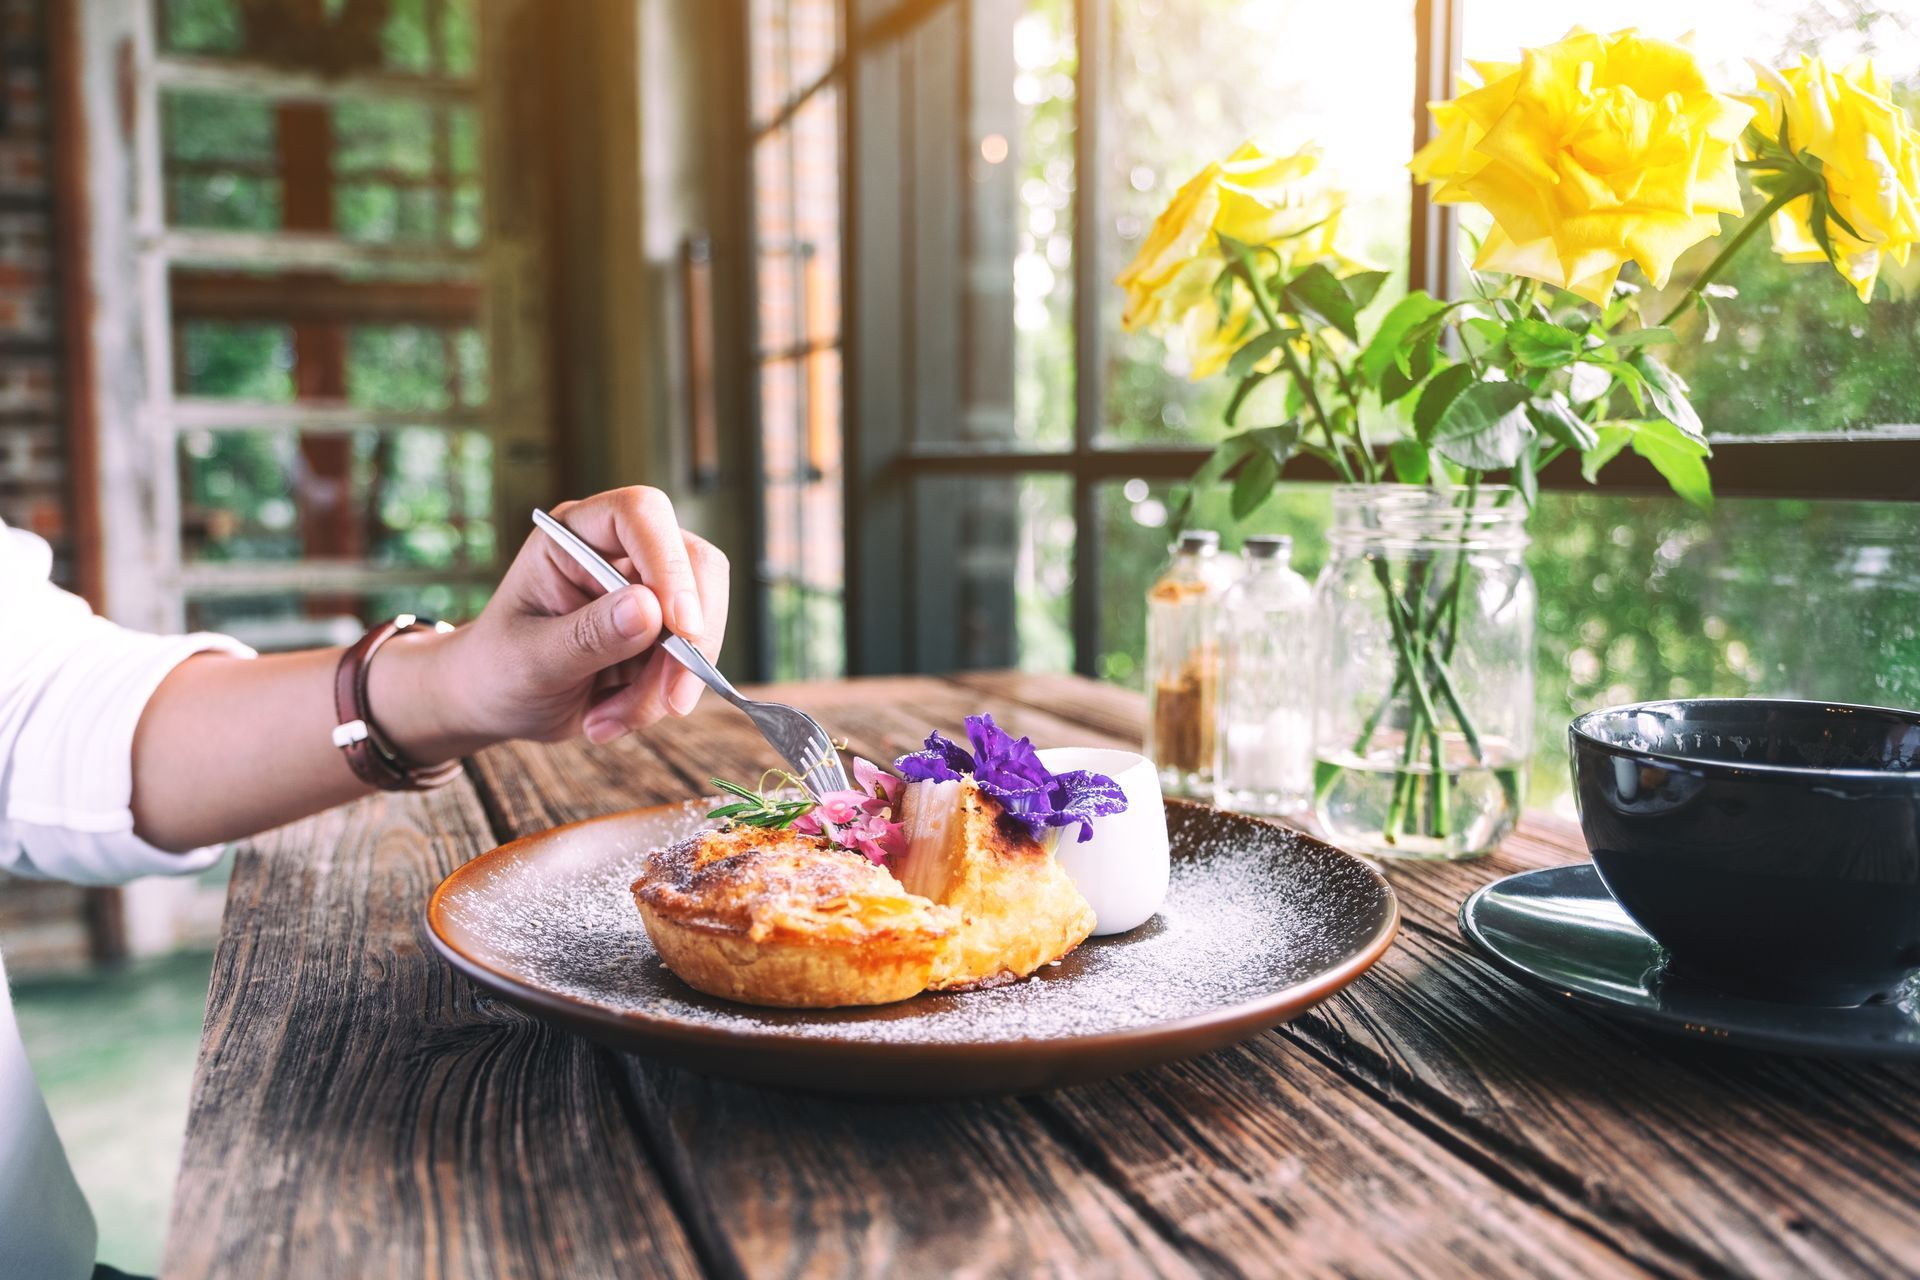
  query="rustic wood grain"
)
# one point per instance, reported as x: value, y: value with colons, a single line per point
x: 1695, y: 1157
x: 1223, y: 1165
x: 1699, y: 1156
x: 360, y: 1110
x: 786, y: 1184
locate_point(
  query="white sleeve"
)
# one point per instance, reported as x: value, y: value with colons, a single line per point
x: 72, y: 688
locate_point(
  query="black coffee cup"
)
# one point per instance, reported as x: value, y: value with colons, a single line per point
x: 1771, y: 846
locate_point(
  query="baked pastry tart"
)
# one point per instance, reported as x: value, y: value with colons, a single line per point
x: 1018, y: 909
x: 873, y: 894
x: 780, y: 918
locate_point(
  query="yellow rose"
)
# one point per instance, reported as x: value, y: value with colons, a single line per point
x: 1589, y: 153
x: 1869, y: 159
x: 1251, y: 196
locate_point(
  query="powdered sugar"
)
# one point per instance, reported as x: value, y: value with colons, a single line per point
x: 1252, y: 910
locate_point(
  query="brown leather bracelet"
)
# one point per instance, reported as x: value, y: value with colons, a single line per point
x: 370, y: 755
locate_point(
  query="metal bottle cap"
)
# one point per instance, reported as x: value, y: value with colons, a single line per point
x: 1266, y: 546
x: 1194, y: 541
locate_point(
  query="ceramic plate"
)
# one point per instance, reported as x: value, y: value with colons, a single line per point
x: 1260, y: 924
x: 1560, y: 930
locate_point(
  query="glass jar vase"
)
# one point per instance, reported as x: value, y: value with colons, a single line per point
x: 1423, y: 707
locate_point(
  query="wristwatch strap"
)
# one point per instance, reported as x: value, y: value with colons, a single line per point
x: 370, y: 755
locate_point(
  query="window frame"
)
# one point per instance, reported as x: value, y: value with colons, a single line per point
x: 883, y: 462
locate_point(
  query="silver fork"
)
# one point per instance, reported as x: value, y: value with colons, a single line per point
x: 797, y: 736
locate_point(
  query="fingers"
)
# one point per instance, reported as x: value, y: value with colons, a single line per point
x: 639, y: 522
x: 635, y: 705
x: 710, y: 572
x: 601, y: 633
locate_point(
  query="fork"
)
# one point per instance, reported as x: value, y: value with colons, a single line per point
x: 791, y: 732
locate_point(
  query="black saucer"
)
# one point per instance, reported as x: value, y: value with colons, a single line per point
x: 1559, y: 931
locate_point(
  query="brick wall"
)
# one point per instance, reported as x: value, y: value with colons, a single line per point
x: 42, y: 926
x: 33, y: 474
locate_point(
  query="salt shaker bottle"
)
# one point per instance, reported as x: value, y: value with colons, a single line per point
x: 1263, y: 739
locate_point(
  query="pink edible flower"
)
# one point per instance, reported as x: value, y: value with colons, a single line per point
x: 875, y: 781
x: 839, y: 808
x: 874, y: 836
x: 860, y: 817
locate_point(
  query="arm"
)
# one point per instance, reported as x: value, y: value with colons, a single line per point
x: 230, y: 746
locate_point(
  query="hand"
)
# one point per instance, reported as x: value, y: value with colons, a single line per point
x: 551, y: 656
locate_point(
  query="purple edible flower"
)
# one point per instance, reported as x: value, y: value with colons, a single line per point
x: 943, y: 761
x: 1009, y: 769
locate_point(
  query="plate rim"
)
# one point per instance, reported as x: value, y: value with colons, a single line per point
x: 1721, y: 1032
x: 1270, y: 1009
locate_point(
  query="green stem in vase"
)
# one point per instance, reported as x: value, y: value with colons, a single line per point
x: 1733, y: 246
x: 1403, y: 781
x: 1263, y: 304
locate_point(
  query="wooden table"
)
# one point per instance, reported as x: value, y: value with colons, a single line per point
x: 361, y: 1110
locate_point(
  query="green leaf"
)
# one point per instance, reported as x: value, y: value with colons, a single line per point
x: 1280, y: 440
x: 1253, y: 352
x: 1609, y: 439
x: 1667, y: 391
x: 1483, y: 337
x: 1402, y: 378
x: 1542, y: 344
x: 1440, y: 393
x: 1226, y: 455
x: 1679, y: 457
x: 1241, y: 392
x: 1628, y: 376
x: 1254, y: 484
x: 1318, y: 294
x: 1486, y: 427
x: 1649, y: 337
x: 1406, y: 316
x: 1410, y: 461
x: 1223, y: 295
x: 1526, y: 474
x: 1556, y: 419
x: 1713, y: 317
x: 1361, y: 286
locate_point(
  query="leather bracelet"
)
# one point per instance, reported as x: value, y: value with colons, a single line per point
x: 371, y: 756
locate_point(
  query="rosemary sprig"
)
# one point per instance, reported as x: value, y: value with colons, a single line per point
x: 753, y: 808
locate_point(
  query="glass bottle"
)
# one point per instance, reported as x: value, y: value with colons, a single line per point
x: 1263, y: 749
x: 1183, y: 663
x: 1423, y: 687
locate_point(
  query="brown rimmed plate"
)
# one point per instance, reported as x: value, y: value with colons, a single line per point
x: 1260, y: 924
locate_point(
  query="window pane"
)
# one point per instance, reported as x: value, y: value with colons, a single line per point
x: 399, y: 367
x: 1640, y: 597
x: 1797, y: 351
x: 282, y: 620
x: 1187, y: 89
x: 201, y: 26
x: 816, y: 215
x: 241, y: 361
x: 1647, y: 598
x: 808, y: 633
x: 220, y: 162
x: 777, y: 282
x: 1044, y: 63
x: 393, y: 135
x: 419, y: 497
x: 767, y: 56
x: 996, y: 584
